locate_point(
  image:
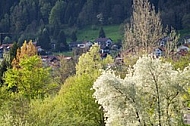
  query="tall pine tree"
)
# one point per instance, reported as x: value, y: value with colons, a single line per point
x: 102, y: 33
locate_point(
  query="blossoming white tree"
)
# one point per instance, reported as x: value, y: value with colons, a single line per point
x: 148, y: 95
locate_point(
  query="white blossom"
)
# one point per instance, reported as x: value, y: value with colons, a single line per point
x: 148, y: 95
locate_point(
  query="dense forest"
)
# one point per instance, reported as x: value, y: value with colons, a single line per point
x: 43, y: 20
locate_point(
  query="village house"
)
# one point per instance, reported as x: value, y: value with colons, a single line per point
x: 186, y: 39
x: 53, y: 61
x: 4, y: 48
x: 163, y: 41
x: 80, y: 44
x: 158, y: 52
x: 104, y: 42
x: 182, y: 50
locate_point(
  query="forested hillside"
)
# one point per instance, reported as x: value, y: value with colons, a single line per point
x: 27, y: 19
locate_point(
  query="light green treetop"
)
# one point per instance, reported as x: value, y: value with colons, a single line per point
x: 91, y: 62
x: 31, y: 79
x: 74, y: 104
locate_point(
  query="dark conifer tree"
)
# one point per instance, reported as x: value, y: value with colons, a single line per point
x: 74, y: 36
x: 13, y: 51
x: 62, y: 44
x: 44, y: 40
x: 3, y: 69
x: 102, y: 33
x: 7, y: 59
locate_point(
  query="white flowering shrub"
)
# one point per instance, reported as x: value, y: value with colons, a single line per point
x: 150, y: 94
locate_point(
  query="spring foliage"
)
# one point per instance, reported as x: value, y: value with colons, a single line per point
x: 31, y: 79
x: 150, y: 94
x: 27, y: 49
x: 74, y: 105
x: 28, y: 76
x: 145, y: 27
x: 91, y: 62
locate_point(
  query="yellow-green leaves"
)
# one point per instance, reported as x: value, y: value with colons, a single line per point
x: 90, y: 62
x: 31, y: 79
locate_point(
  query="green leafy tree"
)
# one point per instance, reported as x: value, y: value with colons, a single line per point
x: 65, y: 70
x: 13, y: 108
x: 78, y: 98
x: 90, y: 62
x: 6, y: 40
x: 74, y: 105
x: 118, y: 13
x: 56, y: 30
x: 27, y: 75
x: 31, y: 79
x: 179, y: 62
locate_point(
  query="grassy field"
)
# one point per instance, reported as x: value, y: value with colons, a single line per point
x: 113, y: 31
x: 92, y: 32
x: 184, y: 32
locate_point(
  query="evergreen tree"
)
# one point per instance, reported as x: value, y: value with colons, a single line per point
x: 5, y: 23
x: 74, y: 36
x: 102, y: 33
x: 7, y: 60
x: 13, y: 51
x: 57, y: 13
x: 45, y: 10
x: 3, y: 68
x: 31, y: 79
x: 62, y: 44
x: 44, y: 40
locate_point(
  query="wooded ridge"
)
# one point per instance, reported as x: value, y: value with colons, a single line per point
x: 25, y: 19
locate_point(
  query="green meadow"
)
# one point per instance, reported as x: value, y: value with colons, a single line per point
x: 114, y: 32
